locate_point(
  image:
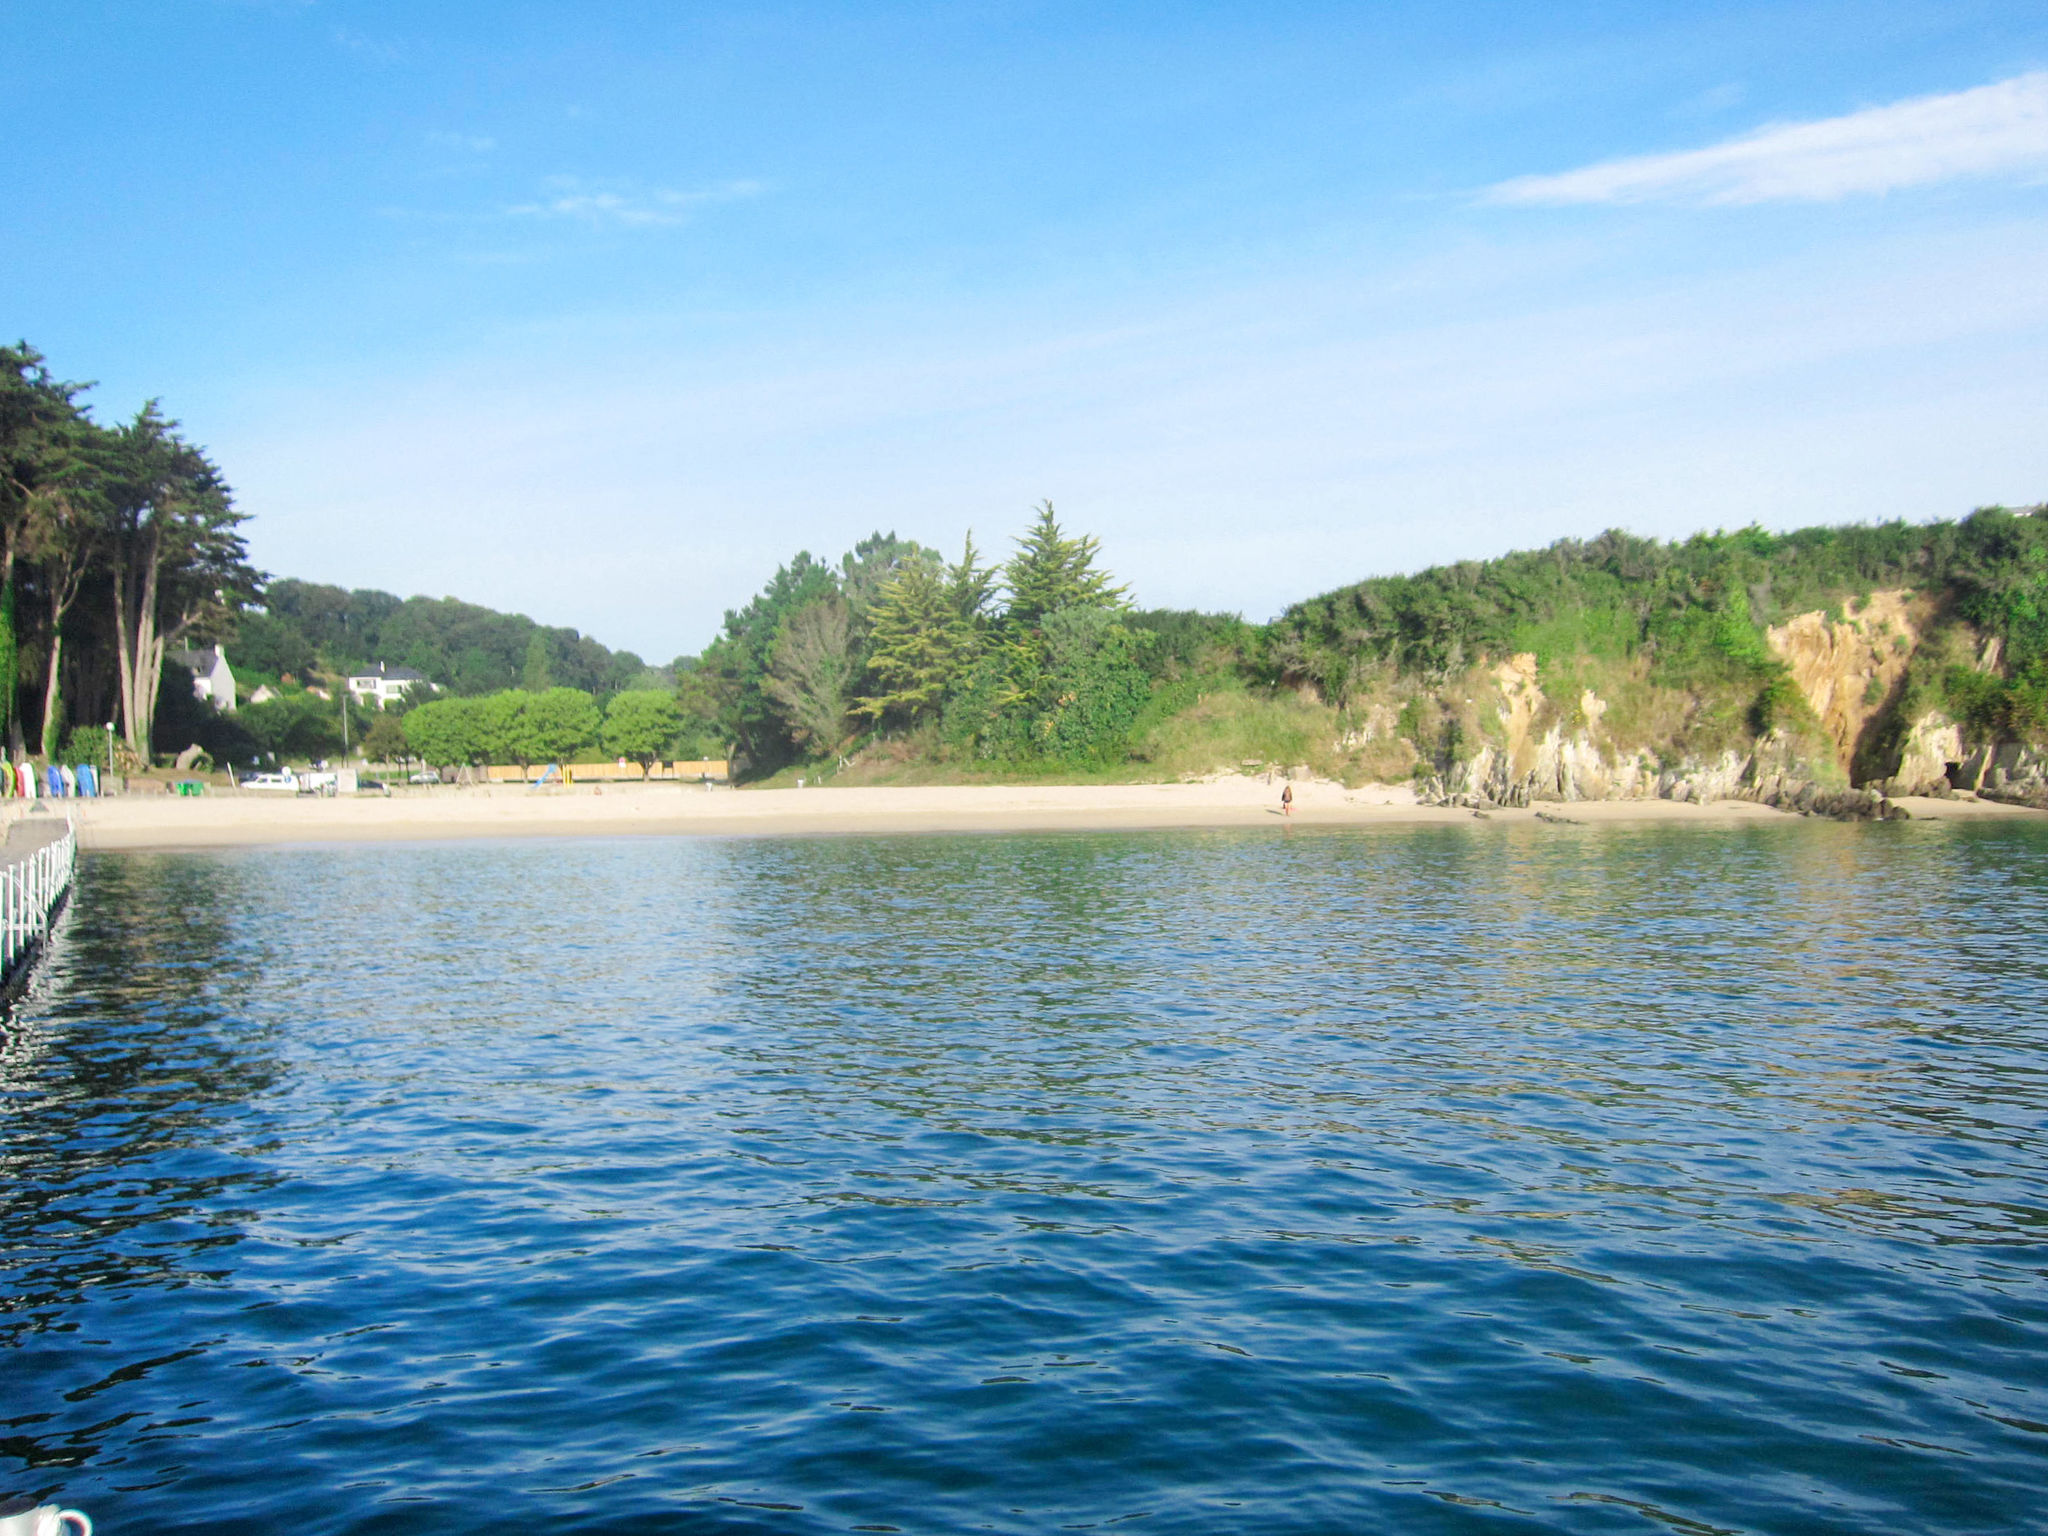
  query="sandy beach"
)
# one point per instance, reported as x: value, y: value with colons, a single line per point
x: 234, y: 819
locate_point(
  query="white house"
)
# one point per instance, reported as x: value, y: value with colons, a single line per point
x: 386, y: 684
x: 212, y: 682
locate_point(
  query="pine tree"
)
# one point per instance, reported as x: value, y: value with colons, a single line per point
x: 1051, y: 571
x: 918, y: 640
x: 970, y: 585
x: 870, y: 566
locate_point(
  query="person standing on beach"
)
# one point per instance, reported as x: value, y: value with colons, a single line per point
x: 1287, y: 801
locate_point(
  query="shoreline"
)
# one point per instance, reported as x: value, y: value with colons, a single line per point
x: 252, y: 819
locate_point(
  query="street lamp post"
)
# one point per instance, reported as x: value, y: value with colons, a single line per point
x: 110, y: 753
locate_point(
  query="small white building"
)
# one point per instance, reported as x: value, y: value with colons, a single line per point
x: 386, y: 685
x: 212, y: 682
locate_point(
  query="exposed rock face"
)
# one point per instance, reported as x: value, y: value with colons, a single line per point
x: 1552, y: 763
x: 1521, y: 702
x: 2010, y: 772
x: 1533, y: 762
x: 1849, y: 668
x: 1572, y: 768
x: 1380, y: 720
x: 1933, y: 743
x: 1851, y: 671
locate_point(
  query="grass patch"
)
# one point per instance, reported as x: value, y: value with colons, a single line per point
x: 1230, y: 726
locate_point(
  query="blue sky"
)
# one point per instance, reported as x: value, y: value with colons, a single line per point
x: 600, y: 311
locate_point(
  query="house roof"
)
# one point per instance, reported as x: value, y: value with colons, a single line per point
x: 389, y: 674
x: 203, y: 659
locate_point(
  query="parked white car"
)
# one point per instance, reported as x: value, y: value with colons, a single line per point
x: 287, y: 781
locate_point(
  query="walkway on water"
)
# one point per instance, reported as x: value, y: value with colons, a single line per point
x: 28, y: 833
x: 36, y: 865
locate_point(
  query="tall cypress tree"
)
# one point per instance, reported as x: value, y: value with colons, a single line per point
x: 970, y: 585
x: 917, y: 642
x: 38, y: 418
x: 1051, y: 571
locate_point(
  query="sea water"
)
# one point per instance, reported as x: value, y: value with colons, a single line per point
x: 1474, y: 1179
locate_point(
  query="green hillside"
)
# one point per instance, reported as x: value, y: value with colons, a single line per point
x: 1687, y: 645
x: 305, y: 628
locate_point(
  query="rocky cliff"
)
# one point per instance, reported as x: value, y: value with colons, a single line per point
x: 1816, y: 667
x: 1845, y: 748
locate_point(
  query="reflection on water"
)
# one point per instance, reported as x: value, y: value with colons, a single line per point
x: 125, y: 1156
x: 1448, y: 1179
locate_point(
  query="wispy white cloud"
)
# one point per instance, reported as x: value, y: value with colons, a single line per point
x: 1916, y: 143
x: 571, y: 199
x: 382, y: 50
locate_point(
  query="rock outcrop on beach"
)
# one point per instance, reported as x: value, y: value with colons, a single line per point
x: 2011, y: 772
x: 1529, y: 767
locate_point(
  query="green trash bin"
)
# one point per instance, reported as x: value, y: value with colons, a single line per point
x: 189, y: 787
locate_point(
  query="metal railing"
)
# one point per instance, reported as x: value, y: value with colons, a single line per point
x: 31, y: 890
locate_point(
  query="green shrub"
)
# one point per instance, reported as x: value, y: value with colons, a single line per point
x: 86, y: 744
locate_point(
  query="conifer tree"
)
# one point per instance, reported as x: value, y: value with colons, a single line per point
x: 174, y: 553
x: 9, y: 657
x: 40, y: 425
x: 917, y: 642
x: 970, y: 585
x: 1050, y: 571
x: 870, y: 566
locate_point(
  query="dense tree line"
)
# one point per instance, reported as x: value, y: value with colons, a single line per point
x: 1694, y: 609
x: 306, y: 634
x: 307, y: 627
x: 118, y: 544
x: 553, y: 725
x: 1039, y: 659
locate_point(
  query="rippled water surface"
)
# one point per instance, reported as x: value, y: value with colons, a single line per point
x: 1518, y: 1179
